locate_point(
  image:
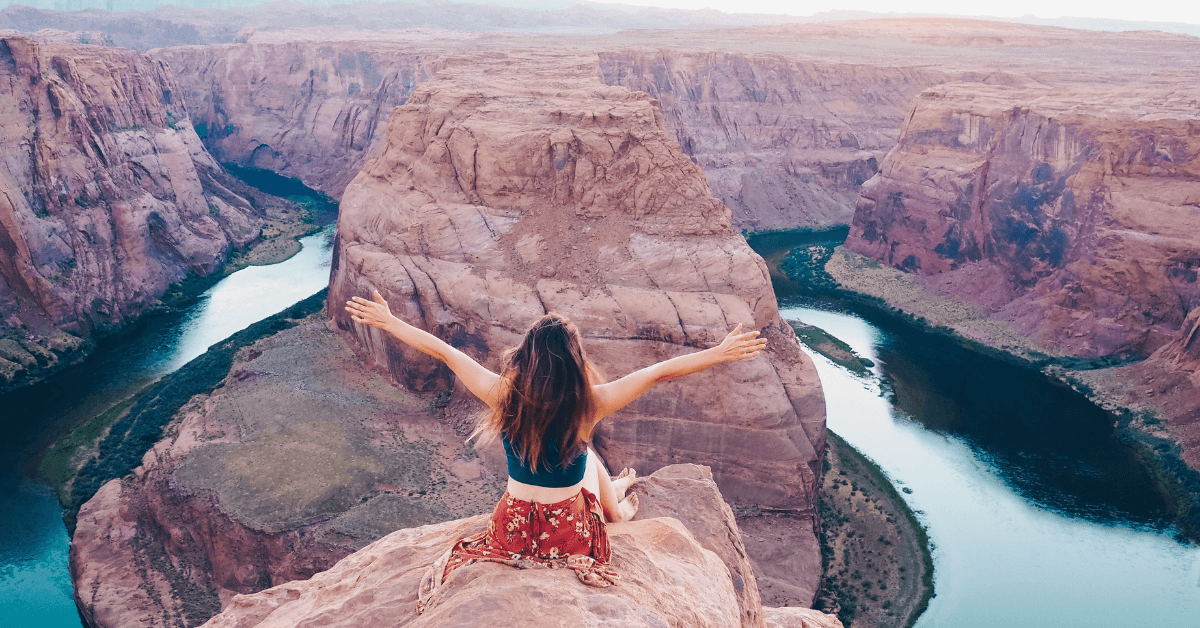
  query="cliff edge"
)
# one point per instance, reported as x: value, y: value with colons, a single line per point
x: 674, y: 572
x: 1071, y: 215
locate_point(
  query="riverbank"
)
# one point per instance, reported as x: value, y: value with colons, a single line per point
x: 874, y: 553
x: 279, y: 239
x: 833, y: 272
x: 833, y: 348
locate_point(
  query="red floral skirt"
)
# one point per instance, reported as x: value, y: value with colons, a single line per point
x: 523, y: 534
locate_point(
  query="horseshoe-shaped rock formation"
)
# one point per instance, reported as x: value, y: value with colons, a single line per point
x: 518, y: 184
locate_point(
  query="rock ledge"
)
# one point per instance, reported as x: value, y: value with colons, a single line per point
x: 675, y: 572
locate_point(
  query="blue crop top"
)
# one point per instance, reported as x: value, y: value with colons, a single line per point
x: 551, y: 473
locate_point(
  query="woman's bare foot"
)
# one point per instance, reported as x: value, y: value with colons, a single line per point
x: 622, y: 482
x: 626, y: 509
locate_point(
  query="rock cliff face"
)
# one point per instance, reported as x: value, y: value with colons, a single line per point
x: 784, y: 142
x: 1072, y: 216
x: 310, y: 110
x: 672, y: 567
x: 524, y: 185
x: 108, y: 197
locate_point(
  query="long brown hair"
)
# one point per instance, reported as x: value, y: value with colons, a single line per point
x: 545, y: 393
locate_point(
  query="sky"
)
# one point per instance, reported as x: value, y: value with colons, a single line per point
x: 1187, y: 11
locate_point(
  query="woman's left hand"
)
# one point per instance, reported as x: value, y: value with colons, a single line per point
x: 738, y: 346
x: 374, y: 313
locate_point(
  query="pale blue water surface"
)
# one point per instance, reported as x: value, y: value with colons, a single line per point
x: 1018, y: 541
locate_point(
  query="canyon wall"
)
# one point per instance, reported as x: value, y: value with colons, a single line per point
x: 1074, y: 216
x: 310, y: 110
x: 108, y: 198
x: 784, y: 141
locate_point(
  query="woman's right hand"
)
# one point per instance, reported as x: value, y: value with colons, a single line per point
x: 374, y: 313
x: 738, y: 346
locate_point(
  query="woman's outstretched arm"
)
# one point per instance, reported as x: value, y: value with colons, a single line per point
x: 480, y: 381
x: 615, y: 395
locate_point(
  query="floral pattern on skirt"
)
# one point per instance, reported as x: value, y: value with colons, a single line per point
x: 526, y: 535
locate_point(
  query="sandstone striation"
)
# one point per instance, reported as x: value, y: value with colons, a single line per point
x: 1071, y: 216
x: 786, y: 121
x: 783, y: 142
x: 108, y: 198
x: 672, y: 572
x: 526, y: 185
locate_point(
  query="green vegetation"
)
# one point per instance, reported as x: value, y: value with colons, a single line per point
x: 919, y: 530
x: 56, y: 467
x: 849, y: 590
x: 137, y: 430
x: 831, y: 347
x: 202, y: 130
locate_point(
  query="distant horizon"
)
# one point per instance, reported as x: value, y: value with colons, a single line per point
x: 1066, y: 13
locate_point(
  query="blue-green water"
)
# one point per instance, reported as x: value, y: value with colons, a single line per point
x: 35, y: 586
x: 1038, y: 515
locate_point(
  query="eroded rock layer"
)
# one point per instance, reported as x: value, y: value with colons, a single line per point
x: 108, y: 197
x: 784, y: 143
x: 672, y: 567
x: 1074, y: 217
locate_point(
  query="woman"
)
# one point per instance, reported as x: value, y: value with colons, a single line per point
x: 545, y: 404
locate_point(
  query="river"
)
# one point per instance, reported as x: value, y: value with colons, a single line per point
x: 35, y: 586
x: 1038, y: 515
